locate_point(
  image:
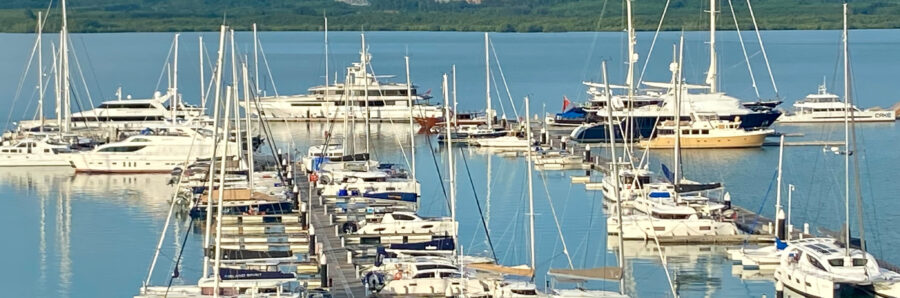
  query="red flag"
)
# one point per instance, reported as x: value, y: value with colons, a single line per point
x: 566, y: 103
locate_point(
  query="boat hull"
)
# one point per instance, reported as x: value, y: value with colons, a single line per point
x: 644, y: 126
x: 749, y: 140
x: 838, y: 117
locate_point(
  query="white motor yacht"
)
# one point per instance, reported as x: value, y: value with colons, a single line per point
x: 32, y: 152
x: 151, y: 153
x: 386, y: 101
x: 706, y: 131
x: 824, y: 107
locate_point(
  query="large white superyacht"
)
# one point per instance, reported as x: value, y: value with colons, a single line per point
x: 386, y: 101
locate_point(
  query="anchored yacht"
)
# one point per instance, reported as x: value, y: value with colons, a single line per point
x: 706, y: 131
x: 386, y: 101
x: 827, y: 107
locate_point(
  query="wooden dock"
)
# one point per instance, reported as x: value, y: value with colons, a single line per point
x: 341, y: 274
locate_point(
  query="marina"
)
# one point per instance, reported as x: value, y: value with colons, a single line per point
x: 693, y: 183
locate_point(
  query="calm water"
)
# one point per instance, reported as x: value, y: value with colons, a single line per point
x: 94, y: 235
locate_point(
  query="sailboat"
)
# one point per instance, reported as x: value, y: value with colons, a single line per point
x: 609, y: 273
x: 676, y: 208
x: 824, y: 267
x: 644, y: 115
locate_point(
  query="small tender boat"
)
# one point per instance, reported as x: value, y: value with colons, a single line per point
x: 706, y: 131
x: 31, y: 152
x: 502, y: 142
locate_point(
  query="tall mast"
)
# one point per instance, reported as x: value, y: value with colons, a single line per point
x: 64, y: 69
x: 614, y: 170
x: 365, y: 73
x: 412, y: 134
x: 629, y: 81
x: 529, y: 160
x: 778, y: 191
x: 712, y: 76
x: 858, y: 190
x: 174, y: 101
x: 229, y: 95
x: 256, y: 60
x: 234, y: 103
x: 40, y: 47
x: 846, y: 135
x: 249, y: 138
x: 487, y: 80
x: 453, y: 71
x: 220, y: 61
x: 202, y: 77
x: 57, y: 83
x: 678, y: 89
x: 326, y: 57
x: 450, y: 162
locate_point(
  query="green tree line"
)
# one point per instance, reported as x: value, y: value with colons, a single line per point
x: 431, y: 15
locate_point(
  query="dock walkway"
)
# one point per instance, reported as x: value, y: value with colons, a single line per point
x: 341, y: 275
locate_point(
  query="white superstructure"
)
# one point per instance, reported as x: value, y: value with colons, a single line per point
x: 153, y: 153
x: 31, y: 152
x: 828, y: 107
x: 386, y: 101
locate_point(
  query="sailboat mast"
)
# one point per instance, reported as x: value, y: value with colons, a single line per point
x: 530, y: 184
x: 326, y: 57
x: 450, y: 162
x: 846, y: 135
x: 234, y: 103
x: 614, y: 171
x: 216, y: 138
x: 64, y: 69
x: 174, y: 101
x: 202, y: 76
x: 256, y: 61
x: 678, y: 93
x: 629, y: 81
x: 40, y: 30
x: 712, y: 76
x: 249, y: 138
x: 487, y: 81
x: 412, y: 133
x: 229, y: 95
x: 365, y: 73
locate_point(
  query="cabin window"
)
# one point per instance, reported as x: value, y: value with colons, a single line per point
x: 695, y: 132
x: 836, y: 262
x: 704, y: 131
x: 306, y: 104
x: 859, y: 262
x: 816, y: 263
x: 424, y: 275
x: 121, y: 149
x: 403, y: 217
x: 529, y: 292
x: 140, y: 140
x: 125, y: 106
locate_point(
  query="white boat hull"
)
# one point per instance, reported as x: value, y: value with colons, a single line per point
x: 838, y: 117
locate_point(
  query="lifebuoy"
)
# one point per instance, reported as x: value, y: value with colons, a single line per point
x: 313, y: 177
x: 398, y: 275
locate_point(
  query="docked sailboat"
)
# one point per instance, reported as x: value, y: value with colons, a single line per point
x: 706, y: 131
x: 825, y: 107
x: 825, y: 267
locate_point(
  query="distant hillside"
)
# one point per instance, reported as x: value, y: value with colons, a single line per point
x: 439, y: 15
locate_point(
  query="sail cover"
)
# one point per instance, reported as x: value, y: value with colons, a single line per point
x: 601, y: 273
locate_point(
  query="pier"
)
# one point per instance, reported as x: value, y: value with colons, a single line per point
x: 336, y: 266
